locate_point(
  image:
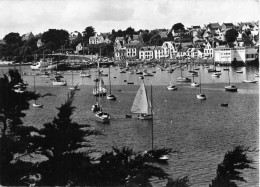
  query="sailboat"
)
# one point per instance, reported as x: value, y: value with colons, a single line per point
x: 100, y: 116
x: 142, y: 105
x: 194, y: 84
x: 230, y: 88
x: 201, y: 96
x: 249, y: 81
x: 171, y: 86
x: 183, y: 79
x: 214, y: 68
x: 35, y: 104
x: 110, y: 96
x: 98, y: 89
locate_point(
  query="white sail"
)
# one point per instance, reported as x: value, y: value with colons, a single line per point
x: 141, y: 104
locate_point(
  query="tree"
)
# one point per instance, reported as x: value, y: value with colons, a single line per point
x: 57, y: 37
x: 129, y: 31
x: 145, y: 37
x: 156, y: 40
x: 87, y: 33
x: 13, y: 139
x: 60, y: 141
x: 230, y: 169
x: 12, y: 38
x: 231, y: 35
x: 178, y: 27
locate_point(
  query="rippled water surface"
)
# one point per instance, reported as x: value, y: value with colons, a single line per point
x: 201, y: 131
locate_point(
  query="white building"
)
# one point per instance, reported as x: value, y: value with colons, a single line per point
x: 208, y: 50
x: 158, y: 52
x: 227, y: 55
x: 96, y: 40
x: 146, y: 53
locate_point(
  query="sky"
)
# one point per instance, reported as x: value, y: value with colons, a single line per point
x: 37, y: 16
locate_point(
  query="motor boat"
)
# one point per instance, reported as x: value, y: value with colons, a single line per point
x: 102, y: 117
x: 231, y: 88
x: 58, y: 82
x: 171, y: 87
x: 183, y: 79
x: 201, y: 96
x: 195, y: 84
x: 215, y: 74
x: 111, y: 97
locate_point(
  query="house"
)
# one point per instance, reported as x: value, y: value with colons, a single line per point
x: 27, y: 36
x: 119, y: 43
x: 39, y: 43
x: 169, y: 50
x: 146, y: 53
x: 227, y: 26
x: 212, y: 27
x: 208, y: 50
x: 132, y: 50
x: 158, y: 52
x: 227, y: 55
x: 200, y: 53
x: 120, y: 54
x: 96, y: 39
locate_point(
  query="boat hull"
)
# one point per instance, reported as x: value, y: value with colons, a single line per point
x: 201, y: 97
x: 102, y: 117
x: 145, y: 117
x: 249, y: 81
x: 183, y: 79
x: 231, y: 89
x: 111, y: 97
x: 194, y: 84
x: 58, y: 83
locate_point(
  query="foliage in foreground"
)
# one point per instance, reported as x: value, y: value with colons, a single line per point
x: 230, y: 170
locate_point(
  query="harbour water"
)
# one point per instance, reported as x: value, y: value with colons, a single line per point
x: 201, y: 131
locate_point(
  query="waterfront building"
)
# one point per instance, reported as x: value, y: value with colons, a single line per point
x: 169, y: 50
x: 132, y: 50
x: 241, y: 55
x: 146, y: 53
x: 158, y: 52
x: 120, y: 54
x: 208, y: 50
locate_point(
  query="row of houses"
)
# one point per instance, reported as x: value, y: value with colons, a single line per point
x: 171, y: 50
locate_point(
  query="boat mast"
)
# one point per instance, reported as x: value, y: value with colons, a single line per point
x: 152, y: 112
x: 200, y: 82
x: 109, y: 81
x: 34, y: 86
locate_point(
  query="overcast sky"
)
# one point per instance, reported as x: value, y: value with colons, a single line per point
x: 23, y: 16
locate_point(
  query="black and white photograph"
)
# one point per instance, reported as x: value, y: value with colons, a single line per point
x: 151, y: 93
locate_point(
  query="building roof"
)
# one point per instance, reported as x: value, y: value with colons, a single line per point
x: 228, y: 24
x: 147, y: 48
x: 213, y: 26
x: 196, y: 27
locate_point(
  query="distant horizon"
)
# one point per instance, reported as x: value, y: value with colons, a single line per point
x: 39, y: 16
